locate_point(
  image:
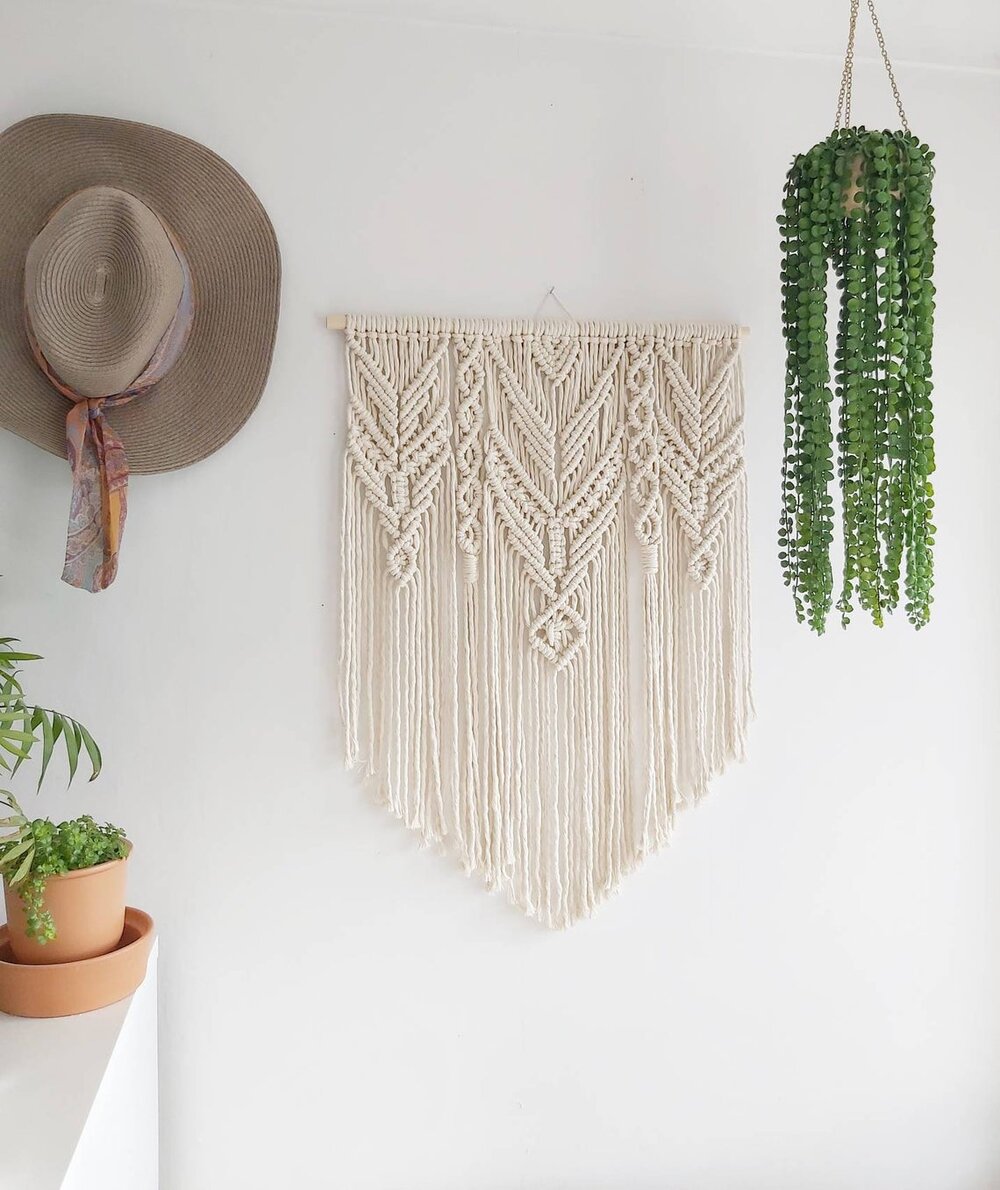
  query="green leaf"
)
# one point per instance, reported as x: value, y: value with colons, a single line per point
x: 48, y: 742
x: 28, y: 716
x: 24, y: 869
x: 19, y: 848
x: 93, y: 752
x: 17, y: 743
x: 72, y: 740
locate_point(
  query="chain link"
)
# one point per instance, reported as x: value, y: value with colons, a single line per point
x: 847, y: 79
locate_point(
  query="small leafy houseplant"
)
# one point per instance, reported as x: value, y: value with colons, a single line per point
x: 40, y: 849
x: 859, y: 203
x: 35, y: 852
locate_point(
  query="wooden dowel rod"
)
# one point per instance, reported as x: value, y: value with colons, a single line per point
x: 338, y: 322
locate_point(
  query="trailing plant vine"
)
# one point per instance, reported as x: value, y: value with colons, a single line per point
x: 859, y: 204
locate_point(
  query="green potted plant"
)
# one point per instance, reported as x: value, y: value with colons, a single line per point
x: 64, y: 884
x: 859, y: 204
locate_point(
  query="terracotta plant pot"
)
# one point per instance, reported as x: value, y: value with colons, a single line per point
x: 88, y: 908
x: 34, y: 989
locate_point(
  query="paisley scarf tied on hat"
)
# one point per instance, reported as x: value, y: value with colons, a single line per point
x: 97, y: 455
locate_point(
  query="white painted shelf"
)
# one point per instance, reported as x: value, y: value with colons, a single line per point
x: 78, y: 1097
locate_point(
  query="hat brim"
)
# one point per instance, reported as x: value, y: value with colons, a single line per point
x: 235, y: 266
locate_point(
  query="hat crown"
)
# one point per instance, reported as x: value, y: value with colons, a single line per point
x: 102, y: 283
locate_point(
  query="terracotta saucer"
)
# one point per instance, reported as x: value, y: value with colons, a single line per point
x: 65, y: 989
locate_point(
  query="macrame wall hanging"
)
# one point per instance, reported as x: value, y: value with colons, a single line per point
x: 859, y: 203
x: 545, y: 622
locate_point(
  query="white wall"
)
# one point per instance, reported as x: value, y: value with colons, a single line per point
x: 802, y: 993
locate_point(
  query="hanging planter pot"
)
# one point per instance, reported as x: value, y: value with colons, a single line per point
x: 859, y: 204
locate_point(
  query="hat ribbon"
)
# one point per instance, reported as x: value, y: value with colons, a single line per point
x: 96, y: 454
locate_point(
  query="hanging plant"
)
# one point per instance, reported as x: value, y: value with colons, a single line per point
x: 859, y: 203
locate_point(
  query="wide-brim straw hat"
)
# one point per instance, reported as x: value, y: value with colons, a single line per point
x: 229, y: 246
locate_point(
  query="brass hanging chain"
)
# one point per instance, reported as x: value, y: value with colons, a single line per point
x: 847, y: 79
x: 888, y: 66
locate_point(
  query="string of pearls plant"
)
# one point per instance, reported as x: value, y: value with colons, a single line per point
x: 859, y: 203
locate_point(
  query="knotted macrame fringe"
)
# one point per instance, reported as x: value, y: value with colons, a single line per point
x: 545, y: 595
